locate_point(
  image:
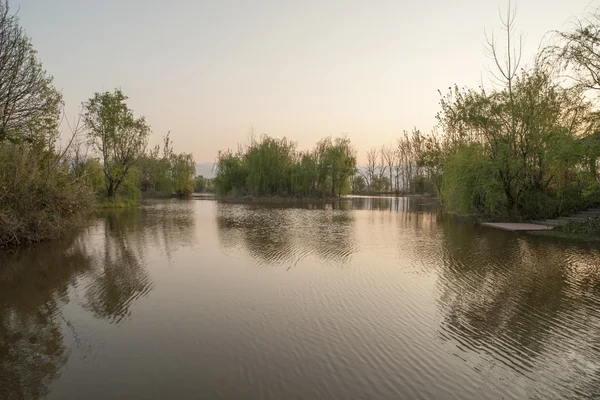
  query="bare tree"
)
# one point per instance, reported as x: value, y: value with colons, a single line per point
x: 507, y: 66
x: 404, y: 152
x: 371, y: 166
x: 26, y: 91
x: 397, y: 170
x: 382, y: 166
x: 389, y: 157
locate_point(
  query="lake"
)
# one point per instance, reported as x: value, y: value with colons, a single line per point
x: 367, y: 298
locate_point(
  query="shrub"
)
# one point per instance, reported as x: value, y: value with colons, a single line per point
x: 39, y: 198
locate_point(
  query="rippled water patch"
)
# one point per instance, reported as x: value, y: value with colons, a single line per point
x: 364, y: 298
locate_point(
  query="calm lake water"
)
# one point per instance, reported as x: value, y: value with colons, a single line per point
x: 370, y: 298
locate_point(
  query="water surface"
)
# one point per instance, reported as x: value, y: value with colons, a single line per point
x: 369, y: 298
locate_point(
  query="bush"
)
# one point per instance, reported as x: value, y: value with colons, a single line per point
x: 469, y: 185
x: 39, y: 198
x: 591, y: 194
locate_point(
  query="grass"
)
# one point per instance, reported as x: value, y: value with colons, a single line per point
x: 587, y: 230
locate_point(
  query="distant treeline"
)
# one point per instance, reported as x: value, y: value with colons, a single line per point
x: 395, y: 169
x: 274, y: 167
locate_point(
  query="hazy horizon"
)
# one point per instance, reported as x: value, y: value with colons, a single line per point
x: 209, y: 71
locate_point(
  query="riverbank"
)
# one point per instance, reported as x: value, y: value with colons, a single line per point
x: 587, y: 230
x: 393, y: 194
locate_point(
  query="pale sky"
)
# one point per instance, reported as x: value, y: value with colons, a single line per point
x: 209, y: 70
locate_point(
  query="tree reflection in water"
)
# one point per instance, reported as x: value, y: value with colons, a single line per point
x: 118, y: 277
x: 107, y: 260
x: 284, y: 234
x: 33, y: 284
x: 508, y: 294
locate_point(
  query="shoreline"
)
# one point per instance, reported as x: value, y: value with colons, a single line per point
x: 305, y: 200
x: 553, y: 233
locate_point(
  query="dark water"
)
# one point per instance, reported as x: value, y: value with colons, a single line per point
x: 367, y: 299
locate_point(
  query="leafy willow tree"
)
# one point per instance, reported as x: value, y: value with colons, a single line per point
x: 116, y: 135
x: 515, y: 150
x: 340, y: 161
x: 273, y: 167
x: 577, y: 55
x: 577, y: 52
x: 183, y: 171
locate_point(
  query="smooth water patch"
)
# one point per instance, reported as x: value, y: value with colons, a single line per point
x: 365, y: 298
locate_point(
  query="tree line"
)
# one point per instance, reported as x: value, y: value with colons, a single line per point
x: 525, y: 148
x: 528, y: 147
x: 274, y: 167
x: 394, y: 168
x: 50, y: 184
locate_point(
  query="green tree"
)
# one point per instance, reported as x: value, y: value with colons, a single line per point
x: 117, y: 136
x: 199, y: 184
x: 358, y: 183
x: 340, y: 161
x: 183, y: 170
x: 380, y: 184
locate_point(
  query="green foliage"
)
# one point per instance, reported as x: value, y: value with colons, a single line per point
x: 202, y: 184
x: 42, y: 195
x: 29, y: 103
x: 529, y: 149
x: 36, y: 202
x: 269, y: 165
x: 358, y: 184
x: 514, y: 152
x: 231, y: 174
x: 273, y: 167
x: 94, y: 175
x: 469, y: 185
x: 129, y: 190
x: 199, y: 184
x: 587, y: 229
x: 380, y: 184
x: 116, y: 135
x: 183, y: 170
x: 170, y: 174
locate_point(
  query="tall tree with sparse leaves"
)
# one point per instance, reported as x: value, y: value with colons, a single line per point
x: 116, y: 135
x: 29, y: 104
